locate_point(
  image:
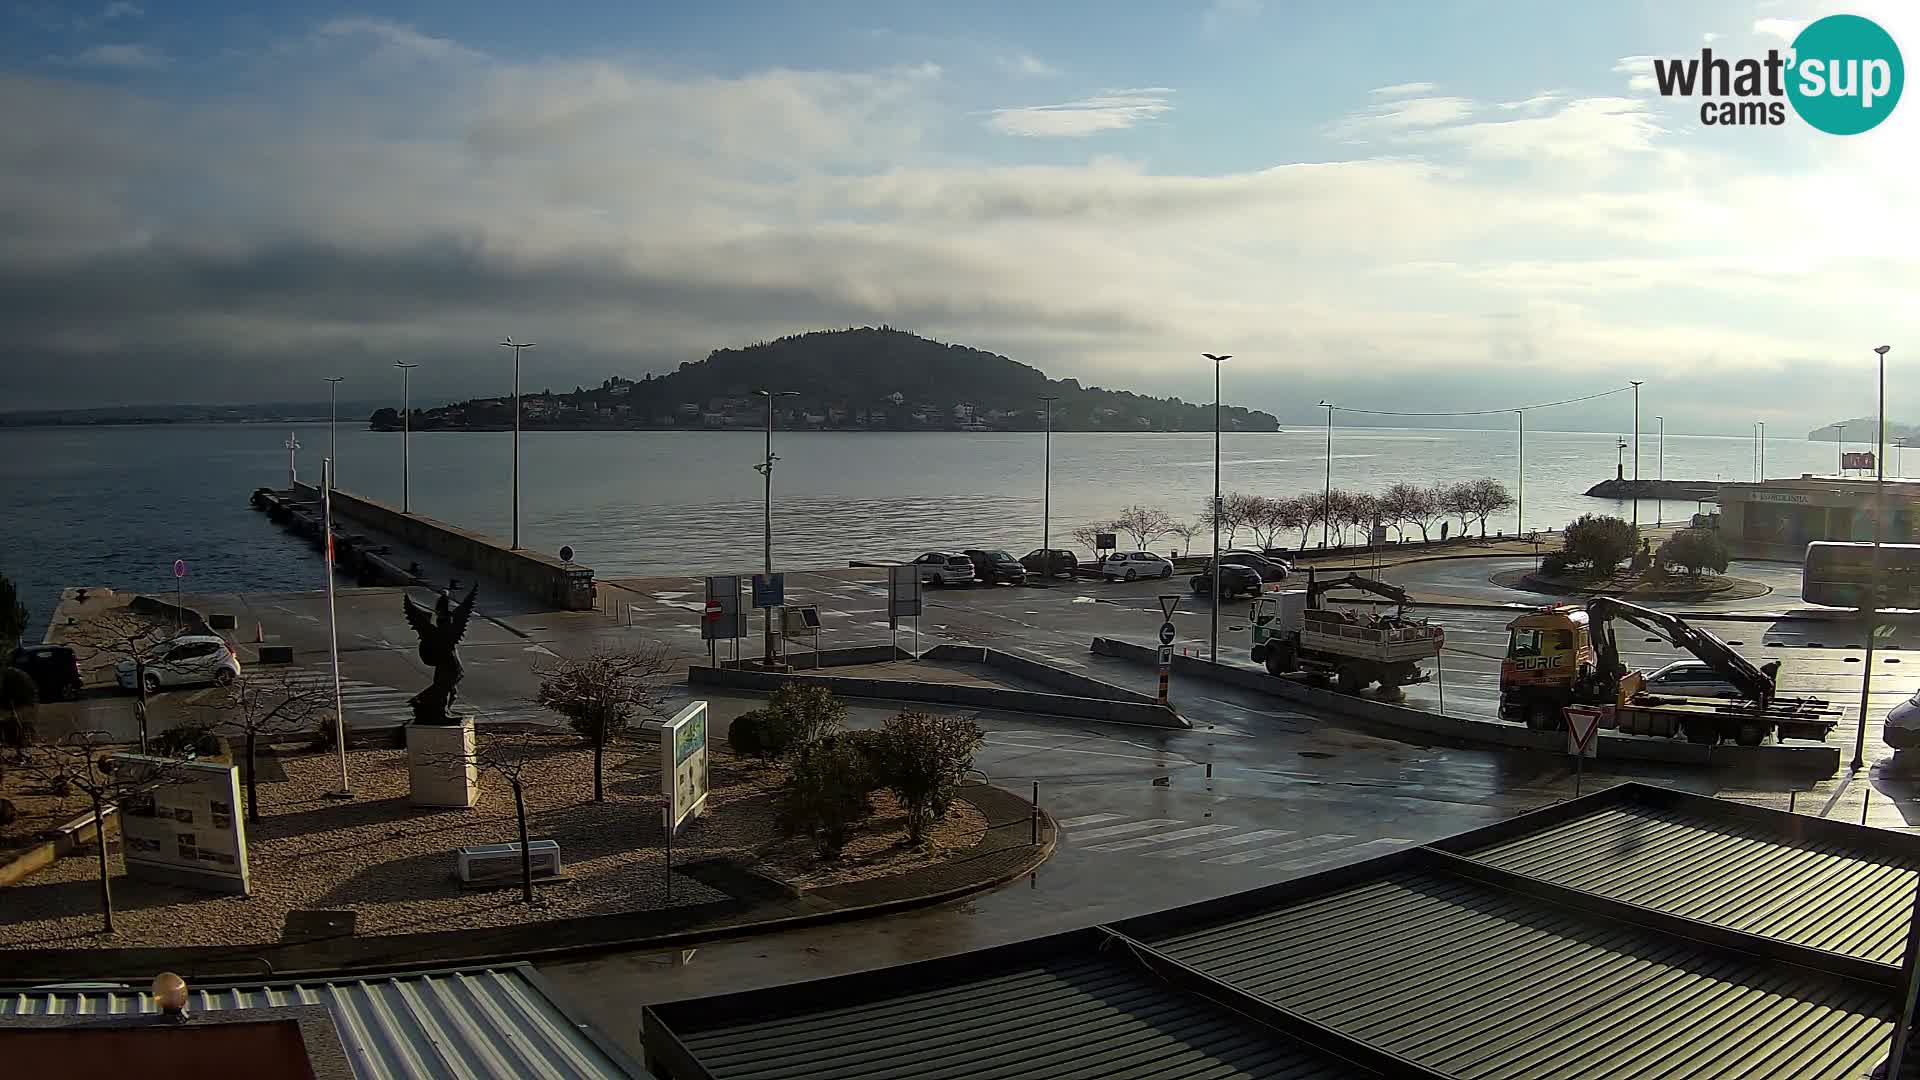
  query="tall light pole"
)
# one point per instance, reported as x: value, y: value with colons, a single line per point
x: 406, y: 434
x: 1661, y: 471
x: 1213, y: 646
x: 1326, y: 494
x: 333, y: 420
x: 333, y: 627
x: 765, y: 469
x: 293, y: 471
x: 509, y: 343
x: 1046, y: 499
x: 1520, y: 502
x: 1636, y: 454
x: 1879, y: 536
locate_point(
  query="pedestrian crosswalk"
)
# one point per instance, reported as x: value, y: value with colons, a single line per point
x: 1217, y: 844
x: 372, y: 705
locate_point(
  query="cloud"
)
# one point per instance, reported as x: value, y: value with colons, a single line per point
x: 1639, y: 71
x: 131, y: 56
x: 1405, y: 89
x: 1027, y: 64
x: 1709, y: 37
x: 120, y: 9
x: 397, y: 39
x: 1111, y: 110
x: 168, y: 247
x: 1784, y: 29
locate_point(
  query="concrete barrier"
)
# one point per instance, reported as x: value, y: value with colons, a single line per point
x: 567, y: 586
x: 806, y: 660
x: 976, y: 697
x: 1396, y: 719
x: 1038, y: 672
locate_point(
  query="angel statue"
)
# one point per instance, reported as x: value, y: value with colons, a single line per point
x: 440, y: 631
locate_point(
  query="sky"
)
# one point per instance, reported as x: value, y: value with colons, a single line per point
x: 1476, y: 204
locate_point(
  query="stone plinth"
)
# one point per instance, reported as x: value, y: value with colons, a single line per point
x: 435, y: 773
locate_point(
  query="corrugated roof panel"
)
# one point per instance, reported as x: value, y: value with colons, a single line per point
x: 1487, y: 985
x: 1824, y: 895
x: 486, y: 1022
x: 1083, y: 1017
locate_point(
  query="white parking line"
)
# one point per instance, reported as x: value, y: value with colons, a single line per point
x: 1088, y: 819
x: 1129, y: 827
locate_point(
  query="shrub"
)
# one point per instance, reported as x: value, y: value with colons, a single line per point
x: 1601, y: 541
x: 323, y: 734
x: 798, y: 716
x: 186, y: 740
x: 927, y: 757
x: 747, y: 735
x: 1558, y: 562
x: 1694, y: 550
x: 18, y: 696
x: 875, y: 749
x: 826, y: 795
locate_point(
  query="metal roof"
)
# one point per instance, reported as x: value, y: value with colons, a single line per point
x: 485, y: 1022
x: 1815, y: 891
x: 1080, y: 1006
x: 1476, y: 982
x: 1637, y: 932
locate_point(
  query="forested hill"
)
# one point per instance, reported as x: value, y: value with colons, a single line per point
x: 873, y: 378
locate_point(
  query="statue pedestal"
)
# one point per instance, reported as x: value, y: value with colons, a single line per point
x: 435, y: 773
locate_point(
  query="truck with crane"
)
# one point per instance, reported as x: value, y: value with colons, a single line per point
x: 1564, y: 656
x: 1293, y: 631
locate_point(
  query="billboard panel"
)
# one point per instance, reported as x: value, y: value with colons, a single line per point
x: 186, y: 828
x: 683, y: 766
x: 903, y: 591
x: 724, y: 619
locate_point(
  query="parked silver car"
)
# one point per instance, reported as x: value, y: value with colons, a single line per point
x: 188, y: 660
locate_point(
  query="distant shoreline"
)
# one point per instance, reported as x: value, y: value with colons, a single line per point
x: 751, y: 429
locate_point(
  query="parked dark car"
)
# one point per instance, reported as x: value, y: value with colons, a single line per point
x: 1234, y: 580
x: 1269, y: 568
x: 54, y: 669
x: 1062, y: 563
x: 993, y: 566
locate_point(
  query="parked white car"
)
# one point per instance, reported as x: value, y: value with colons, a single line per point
x: 188, y: 660
x: 945, y: 568
x: 1902, y: 729
x: 1133, y: 565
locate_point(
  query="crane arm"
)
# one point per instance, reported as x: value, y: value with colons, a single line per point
x: 1355, y: 581
x: 1716, y: 654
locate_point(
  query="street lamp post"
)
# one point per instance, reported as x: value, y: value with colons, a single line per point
x: 406, y: 435
x: 1636, y: 454
x: 333, y: 421
x: 1879, y: 537
x: 1213, y: 640
x: 1660, y: 471
x: 293, y: 471
x: 516, y: 346
x: 1520, y: 501
x: 765, y: 469
x: 1046, y: 499
x: 1326, y: 493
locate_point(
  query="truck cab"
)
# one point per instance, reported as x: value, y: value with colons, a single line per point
x: 1548, y: 651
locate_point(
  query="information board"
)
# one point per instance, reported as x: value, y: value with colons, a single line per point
x: 769, y: 591
x: 683, y: 766
x: 187, y: 827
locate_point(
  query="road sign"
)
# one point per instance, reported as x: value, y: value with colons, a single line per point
x: 903, y: 591
x: 179, y: 568
x: 566, y: 553
x: 1165, y: 658
x: 723, y: 596
x: 1167, y: 634
x: 1583, y: 731
x: 1168, y: 601
x: 769, y: 592
x: 1103, y: 541
x: 713, y: 611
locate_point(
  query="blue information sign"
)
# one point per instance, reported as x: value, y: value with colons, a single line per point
x: 769, y: 592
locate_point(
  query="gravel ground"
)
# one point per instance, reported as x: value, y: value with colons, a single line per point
x: 393, y: 864
x: 39, y: 813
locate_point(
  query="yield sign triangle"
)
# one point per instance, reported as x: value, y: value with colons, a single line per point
x: 1169, y: 601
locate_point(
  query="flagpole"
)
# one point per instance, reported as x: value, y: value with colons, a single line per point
x: 333, y: 630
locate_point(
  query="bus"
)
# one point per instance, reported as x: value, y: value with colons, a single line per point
x: 1840, y: 574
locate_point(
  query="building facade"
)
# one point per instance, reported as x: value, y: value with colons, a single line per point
x: 1777, y: 519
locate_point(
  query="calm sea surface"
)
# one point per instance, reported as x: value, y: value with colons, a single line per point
x: 116, y: 506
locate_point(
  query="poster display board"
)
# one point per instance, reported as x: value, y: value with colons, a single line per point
x: 903, y: 591
x: 724, y: 618
x: 186, y: 826
x: 683, y: 766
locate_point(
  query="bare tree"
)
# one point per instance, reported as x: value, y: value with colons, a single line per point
x: 1088, y: 535
x: 1300, y: 512
x: 1418, y: 506
x: 1264, y: 519
x: 1456, y: 501
x: 1485, y: 498
x: 601, y: 693
x: 507, y: 755
x: 1362, y: 512
x: 122, y: 634
x: 1233, y: 515
x: 73, y: 764
x: 1144, y: 523
x: 1186, y: 531
x: 1394, y: 503
x: 267, y: 701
